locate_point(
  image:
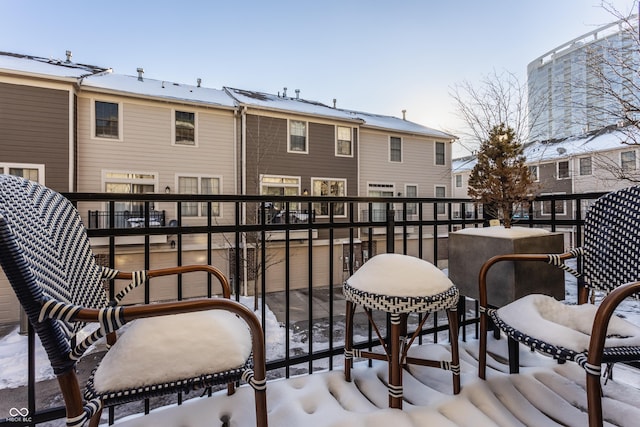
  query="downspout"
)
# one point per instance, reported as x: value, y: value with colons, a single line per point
x: 243, y: 186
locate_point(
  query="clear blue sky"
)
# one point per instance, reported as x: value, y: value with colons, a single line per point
x: 371, y: 55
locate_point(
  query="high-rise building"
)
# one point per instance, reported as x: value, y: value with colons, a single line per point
x: 566, y: 92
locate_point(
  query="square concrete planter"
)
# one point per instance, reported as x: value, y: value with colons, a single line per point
x: 507, y: 281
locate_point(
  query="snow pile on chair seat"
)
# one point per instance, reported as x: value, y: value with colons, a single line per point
x: 191, y: 344
x: 563, y: 325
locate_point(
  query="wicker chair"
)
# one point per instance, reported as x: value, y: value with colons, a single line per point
x: 610, y: 257
x: 45, y: 254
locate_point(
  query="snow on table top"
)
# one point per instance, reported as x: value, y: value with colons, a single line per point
x: 400, y: 275
x: 505, y: 233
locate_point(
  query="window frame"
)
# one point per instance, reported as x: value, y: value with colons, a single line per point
x: 297, y: 186
x: 548, y: 212
x: 174, y: 124
x: 216, y: 207
x: 458, y: 177
x: 411, y: 208
x: 580, y: 167
x: 337, y: 151
x: 441, y: 208
x: 306, y: 137
x: 535, y: 175
x: 318, y: 205
x: 568, y: 176
x: 633, y: 163
x: 120, y: 136
x: 390, y: 149
x: 444, y: 153
x: 6, y: 167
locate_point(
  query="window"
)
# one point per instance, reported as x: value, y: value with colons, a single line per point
x: 440, y: 153
x: 533, y: 170
x: 329, y: 188
x: 280, y: 186
x: 199, y: 185
x: 344, y: 144
x: 458, y: 181
x: 441, y: 208
x: 585, y: 166
x: 560, y: 206
x: 563, y: 169
x: 129, y: 212
x: 411, y: 191
x: 628, y: 160
x: 28, y: 171
x: 185, y: 128
x: 107, y: 120
x: 379, y: 210
x: 297, y: 136
x: 395, y: 149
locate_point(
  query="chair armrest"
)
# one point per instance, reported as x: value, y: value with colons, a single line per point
x: 224, y: 282
x: 596, y: 347
x: 484, y: 270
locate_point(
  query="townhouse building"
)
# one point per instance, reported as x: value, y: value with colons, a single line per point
x: 104, y: 132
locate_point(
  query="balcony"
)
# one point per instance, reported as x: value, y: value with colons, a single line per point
x: 297, y: 283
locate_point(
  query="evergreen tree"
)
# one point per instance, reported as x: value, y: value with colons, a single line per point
x: 501, y: 179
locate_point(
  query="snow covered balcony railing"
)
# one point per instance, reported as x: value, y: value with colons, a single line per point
x: 297, y: 282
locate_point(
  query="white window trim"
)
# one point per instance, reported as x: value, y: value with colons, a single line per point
x: 635, y: 168
x: 306, y: 129
x: 580, y: 166
x: 401, y: 149
x: 173, y: 128
x: 93, y: 136
x: 199, y: 176
x: 313, y: 179
x: 273, y: 184
x: 435, y: 194
x: 435, y: 153
x: 564, y: 205
x: 537, y: 177
x: 455, y: 180
x: 558, y: 169
x: 4, y: 169
x: 336, y: 145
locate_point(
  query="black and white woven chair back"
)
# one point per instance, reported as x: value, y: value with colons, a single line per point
x: 612, y: 240
x: 45, y: 253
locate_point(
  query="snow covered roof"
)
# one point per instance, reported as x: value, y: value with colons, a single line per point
x: 288, y: 104
x: 546, y: 151
x: 50, y: 67
x: 378, y: 121
x: 158, y: 89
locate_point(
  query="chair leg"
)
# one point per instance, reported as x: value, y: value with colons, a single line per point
x: 455, y: 354
x: 514, y: 356
x: 395, y: 370
x: 261, y: 408
x: 482, y: 351
x: 95, y: 420
x: 348, y: 341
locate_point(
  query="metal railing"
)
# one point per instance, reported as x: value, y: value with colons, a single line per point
x: 237, y: 236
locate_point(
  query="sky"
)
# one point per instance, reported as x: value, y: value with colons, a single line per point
x: 370, y: 55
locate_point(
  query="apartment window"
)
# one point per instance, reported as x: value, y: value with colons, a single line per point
x: 563, y: 169
x: 533, y: 170
x: 297, y: 136
x: 458, y: 181
x: 107, y: 120
x: 344, y: 143
x: 411, y: 191
x: 199, y: 185
x: 628, y: 160
x: 441, y: 192
x: 329, y: 188
x: 379, y: 210
x: 184, y: 128
x: 440, y: 153
x: 280, y: 186
x: 129, y: 212
x: 29, y: 171
x: 560, y: 206
x: 585, y: 166
x: 395, y: 149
